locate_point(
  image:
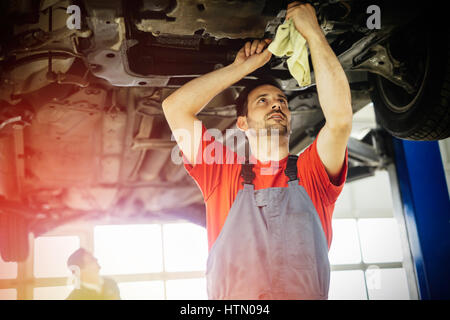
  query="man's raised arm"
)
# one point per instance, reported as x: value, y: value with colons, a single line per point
x: 182, y: 106
x: 332, y: 87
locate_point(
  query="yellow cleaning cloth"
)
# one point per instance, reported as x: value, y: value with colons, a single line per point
x: 289, y: 42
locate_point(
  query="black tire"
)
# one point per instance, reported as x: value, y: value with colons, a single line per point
x: 423, y: 115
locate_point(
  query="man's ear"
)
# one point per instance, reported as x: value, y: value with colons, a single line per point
x: 242, y: 123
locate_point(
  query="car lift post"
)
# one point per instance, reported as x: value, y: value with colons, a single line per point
x: 426, y: 209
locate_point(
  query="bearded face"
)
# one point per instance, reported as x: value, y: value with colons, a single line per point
x: 268, y: 112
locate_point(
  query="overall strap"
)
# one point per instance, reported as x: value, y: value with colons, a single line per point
x: 291, y: 167
x: 247, y: 172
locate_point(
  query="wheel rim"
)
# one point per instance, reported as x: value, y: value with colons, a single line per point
x: 397, y: 99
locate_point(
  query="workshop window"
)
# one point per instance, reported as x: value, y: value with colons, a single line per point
x: 366, y: 248
x: 51, y: 254
x: 191, y: 289
x: 142, y: 290
x: 366, y: 253
x: 52, y: 293
x: 387, y: 284
x: 380, y: 240
x: 347, y: 285
x: 345, y: 247
x: 176, y: 253
x: 128, y: 249
x: 185, y: 247
x: 8, y: 294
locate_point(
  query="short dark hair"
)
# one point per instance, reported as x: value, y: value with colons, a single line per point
x: 77, y: 258
x: 242, y: 99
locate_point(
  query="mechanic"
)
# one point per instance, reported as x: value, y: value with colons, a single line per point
x: 268, y: 221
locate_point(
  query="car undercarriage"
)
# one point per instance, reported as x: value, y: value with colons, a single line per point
x: 82, y: 132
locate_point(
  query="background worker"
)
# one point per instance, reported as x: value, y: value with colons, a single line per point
x: 91, y: 286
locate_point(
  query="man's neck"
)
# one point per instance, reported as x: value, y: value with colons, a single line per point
x: 92, y: 280
x: 267, y: 149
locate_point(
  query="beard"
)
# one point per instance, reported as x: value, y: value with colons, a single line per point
x: 274, y: 127
x: 270, y: 127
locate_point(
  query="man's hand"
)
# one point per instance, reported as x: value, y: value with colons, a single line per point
x: 183, y: 105
x: 304, y: 18
x: 253, y: 55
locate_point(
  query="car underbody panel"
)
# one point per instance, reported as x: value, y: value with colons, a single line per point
x: 82, y: 133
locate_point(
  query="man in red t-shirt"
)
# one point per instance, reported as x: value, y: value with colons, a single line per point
x: 268, y: 215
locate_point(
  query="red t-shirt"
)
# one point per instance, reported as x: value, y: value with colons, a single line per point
x: 220, y: 183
